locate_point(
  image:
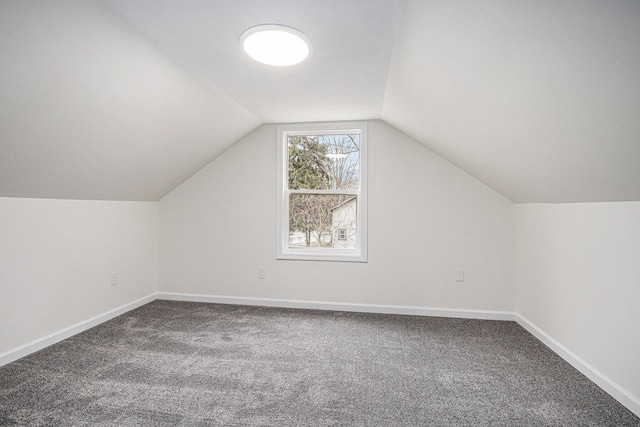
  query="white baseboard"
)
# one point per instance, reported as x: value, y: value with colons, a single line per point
x: 40, y: 343
x: 627, y: 399
x: 340, y: 306
x: 620, y: 394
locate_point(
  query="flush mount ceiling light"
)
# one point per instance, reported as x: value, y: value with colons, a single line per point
x: 276, y: 45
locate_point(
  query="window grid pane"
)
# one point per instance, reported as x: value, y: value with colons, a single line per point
x: 316, y: 220
x: 322, y: 166
x: 323, y: 162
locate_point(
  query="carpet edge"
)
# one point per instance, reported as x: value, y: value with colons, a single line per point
x: 340, y: 306
x: 55, y: 337
x: 616, y: 391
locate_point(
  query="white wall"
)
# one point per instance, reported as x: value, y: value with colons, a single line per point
x: 578, y: 280
x: 426, y: 217
x: 56, y: 257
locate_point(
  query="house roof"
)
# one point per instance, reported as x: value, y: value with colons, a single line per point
x: 344, y: 202
x: 125, y: 100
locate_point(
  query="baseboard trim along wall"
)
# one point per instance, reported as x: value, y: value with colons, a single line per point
x: 39, y: 344
x: 339, y: 306
x: 627, y: 399
x: 46, y: 341
x: 621, y: 395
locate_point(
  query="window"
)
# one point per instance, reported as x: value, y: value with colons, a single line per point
x: 322, y: 181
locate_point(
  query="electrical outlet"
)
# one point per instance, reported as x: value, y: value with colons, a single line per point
x: 114, y: 278
x: 262, y: 272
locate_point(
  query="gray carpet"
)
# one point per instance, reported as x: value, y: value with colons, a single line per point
x: 192, y: 364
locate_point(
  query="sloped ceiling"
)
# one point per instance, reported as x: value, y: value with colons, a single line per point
x: 343, y: 80
x: 126, y: 99
x: 538, y: 99
x: 90, y: 108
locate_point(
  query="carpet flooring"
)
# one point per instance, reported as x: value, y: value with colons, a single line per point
x: 195, y: 364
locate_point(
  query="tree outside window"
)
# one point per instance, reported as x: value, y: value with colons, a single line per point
x: 322, y: 199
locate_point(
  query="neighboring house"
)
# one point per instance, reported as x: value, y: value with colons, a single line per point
x: 343, y: 224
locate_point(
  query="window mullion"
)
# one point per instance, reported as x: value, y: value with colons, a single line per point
x: 345, y: 192
x: 335, y: 217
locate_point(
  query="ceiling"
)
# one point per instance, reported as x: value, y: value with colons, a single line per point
x: 344, y: 78
x: 538, y: 99
x: 124, y: 100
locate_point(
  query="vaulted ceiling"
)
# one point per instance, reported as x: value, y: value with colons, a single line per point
x: 124, y: 100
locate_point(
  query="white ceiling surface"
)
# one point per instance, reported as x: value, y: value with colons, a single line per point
x: 344, y: 79
x: 90, y: 108
x: 538, y: 99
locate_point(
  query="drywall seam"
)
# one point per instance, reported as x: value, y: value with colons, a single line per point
x: 627, y: 399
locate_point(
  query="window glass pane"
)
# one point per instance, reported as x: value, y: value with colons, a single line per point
x: 324, y: 162
x: 322, y: 220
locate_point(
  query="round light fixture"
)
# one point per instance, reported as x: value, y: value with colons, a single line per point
x: 276, y: 45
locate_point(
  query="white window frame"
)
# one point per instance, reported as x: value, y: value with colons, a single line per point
x: 357, y: 254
